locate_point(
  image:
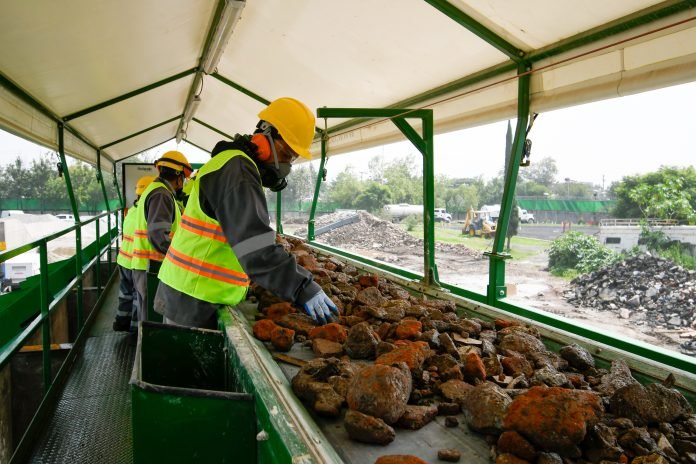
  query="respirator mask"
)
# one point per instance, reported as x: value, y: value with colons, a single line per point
x: 273, y: 176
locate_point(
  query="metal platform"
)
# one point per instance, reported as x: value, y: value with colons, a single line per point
x: 92, y: 418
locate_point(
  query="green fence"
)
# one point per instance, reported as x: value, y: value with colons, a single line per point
x: 33, y: 205
x: 571, y: 206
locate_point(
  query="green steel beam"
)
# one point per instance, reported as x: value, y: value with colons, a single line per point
x: 78, y: 230
x: 197, y: 146
x: 118, y: 190
x: 477, y: 28
x: 425, y: 146
x: 116, y: 142
x: 146, y: 149
x: 45, y: 320
x: 279, y: 212
x: 496, y: 275
x: 317, y: 188
x: 214, y: 129
x: 244, y: 90
x: 128, y: 95
x: 624, y: 24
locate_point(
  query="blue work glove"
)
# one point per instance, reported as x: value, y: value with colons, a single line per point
x: 319, y: 308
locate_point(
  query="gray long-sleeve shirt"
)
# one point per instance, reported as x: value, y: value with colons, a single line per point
x: 233, y: 195
x: 159, y: 213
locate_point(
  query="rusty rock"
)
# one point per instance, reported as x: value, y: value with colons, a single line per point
x: 650, y: 404
x: 319, y: 396
x: 326, y: 348
x: 554, y: 419
x: 549, y: 458
x: 473, y: 368
x: 455, y: 390
x: 302, y: 324
x: 411, y: 353
x: 368, y: 280
x: 577, y: 356
x: 451, y: 421
x: 448, y: 409
x: 638, y: 442
x: 381, y: 391
x: 521, y: 343
x: 601, y: 444
x: 549, y: 377
x: 278, y: 310
x: 508, y: 458
x: 449, y: 455
x: 282, y: 338
x: 370, y: 297
x: 416, y: 417
x: 485, y: 407
x: 333, y: 331
x: 618, y: 377
x: 542, y: 359
x: 399, y: 459
x: 492, y: 366
x: 368, y: 429
x: 263, y: 329
x: 408, y: 329
x: 448, y: 345
x: 514, y: 443
x: 361, y: 342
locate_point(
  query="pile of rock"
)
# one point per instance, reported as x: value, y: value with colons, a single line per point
x: 371, y: 232
x: 641, y: 283
x: 397, y: 361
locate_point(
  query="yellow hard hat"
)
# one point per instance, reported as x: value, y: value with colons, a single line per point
x: 294, y: 122
x: 142, y: 184
x: 175, y: 160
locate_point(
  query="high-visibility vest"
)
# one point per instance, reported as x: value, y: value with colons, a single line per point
x: 125, y: 253
x: 143, y: 251
x: 200, y: 262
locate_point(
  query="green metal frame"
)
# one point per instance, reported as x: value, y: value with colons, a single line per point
x: 197, y: 146
x: 424, y: 144
x: 242, y: 89
x: 140, y: 132
x: 477, y: 28
x: 214, y: 129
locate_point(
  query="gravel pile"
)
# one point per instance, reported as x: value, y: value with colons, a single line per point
x: 371, y: 232
x: 639, y: 284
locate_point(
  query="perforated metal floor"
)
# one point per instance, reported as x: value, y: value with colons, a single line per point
x: 92, y: 419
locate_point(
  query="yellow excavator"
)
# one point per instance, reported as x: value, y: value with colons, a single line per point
x: 478, y: 224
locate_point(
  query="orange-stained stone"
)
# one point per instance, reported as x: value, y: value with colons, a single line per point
x: 408, y: 329
x: 623, y: 459
x: 474, y: 368
x: 263, y: 329
x: 503, y: 323
x: 334, y: 332
x: 308, y: 262
x: 509, y: 459
x: 411, y: 353
x: 514, y: 443
x: 368, y: 280
x: 282, y: 338
x: 278, y: 310
x: 400, y: 459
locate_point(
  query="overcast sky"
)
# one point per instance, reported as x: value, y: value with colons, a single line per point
x: 611, y: 138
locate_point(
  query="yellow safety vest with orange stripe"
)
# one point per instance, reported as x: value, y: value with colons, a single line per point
x: 125, y: 253
x: 200, y: 262
x: 143, y: 251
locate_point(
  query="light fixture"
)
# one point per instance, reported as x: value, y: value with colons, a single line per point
x: 180, y: 135
x: 231, y: 12
x: 191, y: 109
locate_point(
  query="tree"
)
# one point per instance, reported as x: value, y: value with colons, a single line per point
x: 373, y: 198
x: 543, y: 172
x: 669, y: 193
x: 513, y: 224
x: 301, y: 183
x: 404, y: 186
x: 460, y: 199
x: 344, y: 189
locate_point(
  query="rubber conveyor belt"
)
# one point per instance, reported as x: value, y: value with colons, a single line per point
x: 92, y: 418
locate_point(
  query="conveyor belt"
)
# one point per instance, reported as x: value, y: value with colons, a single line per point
x: 92, y: 419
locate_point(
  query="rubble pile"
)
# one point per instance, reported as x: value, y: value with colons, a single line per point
x: 396, y: 361
x: 643, y: 283
x: 371, y: 232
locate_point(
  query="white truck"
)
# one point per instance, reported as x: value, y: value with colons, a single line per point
x: 402, y: 210
x: 494, y: 210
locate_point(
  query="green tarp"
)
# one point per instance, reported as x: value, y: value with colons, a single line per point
x: 574, y: 206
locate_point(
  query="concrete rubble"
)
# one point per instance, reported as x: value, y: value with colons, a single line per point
x: 384, y: 373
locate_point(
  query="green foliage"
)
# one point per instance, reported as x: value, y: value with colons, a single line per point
x: 344, y: 189
x: 658, y: 242
x: 373, y: 198
x: 542, y: 173
x: 580, y: 252
x: 669, y: 193
x: 411, y: 222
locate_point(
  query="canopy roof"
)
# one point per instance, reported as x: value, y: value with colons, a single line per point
x: 122, y: 76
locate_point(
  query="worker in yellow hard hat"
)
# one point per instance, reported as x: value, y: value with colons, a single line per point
x: 156, y: 220
x: 225, y: 239
x: 127, y: 301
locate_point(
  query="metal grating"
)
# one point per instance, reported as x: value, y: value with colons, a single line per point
x: 92, y: 420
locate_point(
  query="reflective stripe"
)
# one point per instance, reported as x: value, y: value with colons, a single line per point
x: 127, y: 238
x: 254, y: 243
x: 206, y: 269
x: 147, y: 254
x: 159, y: 225
x: 124, y: 253
x: 202, y: 228
x: 140, y: 233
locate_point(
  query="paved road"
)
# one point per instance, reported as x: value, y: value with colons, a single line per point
x: 543, y: 231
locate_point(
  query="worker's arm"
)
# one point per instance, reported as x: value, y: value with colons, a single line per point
x: 159, y: 211
x: 236, y: 199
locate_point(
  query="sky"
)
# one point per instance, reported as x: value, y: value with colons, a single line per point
x: 595, y: 142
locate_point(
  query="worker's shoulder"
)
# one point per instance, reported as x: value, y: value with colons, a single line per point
x: 236, y: 169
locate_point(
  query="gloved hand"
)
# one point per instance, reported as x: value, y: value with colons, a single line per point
x: 319, y: 308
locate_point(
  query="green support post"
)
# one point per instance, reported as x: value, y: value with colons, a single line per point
x: 279, y: 213
x: 78, y: 230
x: 496, y: 275
x: 317, y: 188
x: 425, y: 145
x: 123, y: 205
x: 45, y: 316
x: 100, y: 177
x: 98, y: 263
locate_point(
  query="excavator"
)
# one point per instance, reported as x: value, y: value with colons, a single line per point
x: 478, y: 224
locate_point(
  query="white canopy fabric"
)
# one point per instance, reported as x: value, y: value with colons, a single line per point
x: 67, y: 61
